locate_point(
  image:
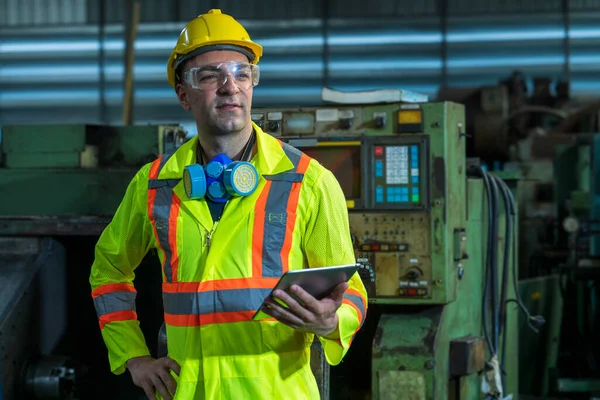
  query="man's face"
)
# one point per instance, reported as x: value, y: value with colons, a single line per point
x: 222, y: 110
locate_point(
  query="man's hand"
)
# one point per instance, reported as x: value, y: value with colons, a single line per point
x: 151, y: 375
x: 310, y: 314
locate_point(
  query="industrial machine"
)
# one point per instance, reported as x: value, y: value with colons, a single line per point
x: 440, y: 324
x: 60, y: 187
x: 574, y: 259
x: 533, y: 128
x: 86, y: 167
x: 501, y: 117
x: 433, y: 230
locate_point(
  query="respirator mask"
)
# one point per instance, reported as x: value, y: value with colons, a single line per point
x: 220, y: 180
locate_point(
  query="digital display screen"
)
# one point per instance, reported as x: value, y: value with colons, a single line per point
x: 397, y: 179
x: 344, y: 162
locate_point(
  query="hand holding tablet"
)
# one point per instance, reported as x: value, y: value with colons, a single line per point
x: 317, y: 282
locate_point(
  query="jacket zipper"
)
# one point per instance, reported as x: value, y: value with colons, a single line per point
x: 210, y: 234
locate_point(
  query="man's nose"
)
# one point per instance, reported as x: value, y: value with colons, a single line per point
x: 229, y: 86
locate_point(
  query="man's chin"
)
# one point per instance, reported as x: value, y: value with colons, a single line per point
x: 230, y: 125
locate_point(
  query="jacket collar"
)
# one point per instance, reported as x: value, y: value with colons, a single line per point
x: 269, y: 159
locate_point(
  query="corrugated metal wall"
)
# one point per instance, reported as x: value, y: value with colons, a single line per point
x: 42, y: 12
x: 67, y: 73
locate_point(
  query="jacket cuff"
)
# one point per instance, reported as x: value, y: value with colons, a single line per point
x: 124, y: 340
x: 348, y: 324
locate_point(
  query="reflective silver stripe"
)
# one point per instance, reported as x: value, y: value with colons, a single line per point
x: 157, y: 183
x: 358, y: 302
x: 162, y: 214
x: 214, y: 301
x: 116, y: 301
x: 293, y: 154
x: 163, y: 161
x: 276, y: 217
x: 285, y: 176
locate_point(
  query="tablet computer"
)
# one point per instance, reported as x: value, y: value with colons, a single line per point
x: 318, y: 282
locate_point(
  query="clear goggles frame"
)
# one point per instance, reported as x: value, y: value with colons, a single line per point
x: 214, y: 76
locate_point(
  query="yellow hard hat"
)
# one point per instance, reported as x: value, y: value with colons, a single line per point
x: 208, y: 32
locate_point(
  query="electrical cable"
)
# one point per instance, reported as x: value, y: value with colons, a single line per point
x: 508, y: 216
x: 534, y: 321
x: 486, y: 333
x: 494, y: 266
x: 493, y: 185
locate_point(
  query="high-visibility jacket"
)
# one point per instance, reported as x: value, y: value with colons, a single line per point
x: 216, y: 274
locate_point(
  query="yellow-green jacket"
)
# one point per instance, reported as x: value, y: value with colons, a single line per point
x: 215, y: 275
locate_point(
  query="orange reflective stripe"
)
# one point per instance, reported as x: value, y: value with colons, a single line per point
x: 291, y: 208
x: 112, y: 287
x: 258, y: 230
x: 355, y: 293
x: 151, y: 201
x: 173, y: 218
x: 207, y: 319
x: 351, y: 303
x: 303, y: 165
x: 155, y: 168
x: 163, y: 210
x: 275, y: 217
x: 114, y: 302
x: 222, y: 284
x: 355, y: 299
x: 125, y: 315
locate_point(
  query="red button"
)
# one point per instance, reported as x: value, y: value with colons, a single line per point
x: 378, y: 150
x: 375, y: 247
x: 412, y: 292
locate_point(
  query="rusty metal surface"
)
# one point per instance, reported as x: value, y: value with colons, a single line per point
x: 467, y: 355
x: 439, y: 180
x: 405, y: 342
x: 401, y: 385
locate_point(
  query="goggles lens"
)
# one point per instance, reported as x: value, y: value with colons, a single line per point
x: 213, y: 76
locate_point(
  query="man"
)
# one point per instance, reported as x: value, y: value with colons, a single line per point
x: 220, y: 259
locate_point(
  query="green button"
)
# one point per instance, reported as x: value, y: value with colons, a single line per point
x: 415, y: 198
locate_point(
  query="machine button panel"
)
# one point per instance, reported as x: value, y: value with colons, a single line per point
x: 396, y: 246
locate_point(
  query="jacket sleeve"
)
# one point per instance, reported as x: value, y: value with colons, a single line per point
x: 327, y: 242
x: 120, y: 249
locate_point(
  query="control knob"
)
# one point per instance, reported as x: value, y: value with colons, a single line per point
x: 413, y: 275
x: 273, y: 126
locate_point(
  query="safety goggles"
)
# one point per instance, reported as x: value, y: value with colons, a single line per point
x: 213, y: 76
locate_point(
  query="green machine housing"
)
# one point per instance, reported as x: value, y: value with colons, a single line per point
x: 61, y: 185
x: 55, y: 173
x: 418, y: 224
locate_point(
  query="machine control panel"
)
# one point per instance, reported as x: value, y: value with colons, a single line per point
x: 401, y: 174
x: 394, y: 250
x: 397, y: 173
x: 311, y: 121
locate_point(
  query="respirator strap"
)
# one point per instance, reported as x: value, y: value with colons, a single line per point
x: 249, y: 146
x: 245, y: 155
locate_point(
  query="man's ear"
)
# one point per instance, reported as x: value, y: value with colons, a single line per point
x: 182, y: 96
